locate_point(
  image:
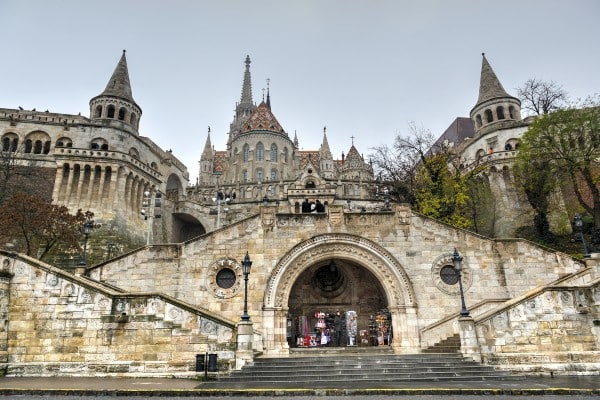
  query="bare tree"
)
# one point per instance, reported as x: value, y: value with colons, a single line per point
x: 541, y: 97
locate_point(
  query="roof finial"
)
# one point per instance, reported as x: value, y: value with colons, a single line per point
x: 268, y: 94
x: 209, y: 129
x: 324, y: 130
x: 124, y: 51
x: 352, y: 137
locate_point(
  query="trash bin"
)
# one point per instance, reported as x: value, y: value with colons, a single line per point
x: 200, y: 359
x: 212, y: 363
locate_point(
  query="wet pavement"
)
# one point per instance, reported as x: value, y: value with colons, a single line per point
x: 588, y: 385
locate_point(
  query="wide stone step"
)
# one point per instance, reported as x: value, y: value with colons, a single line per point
x: 366, y: 369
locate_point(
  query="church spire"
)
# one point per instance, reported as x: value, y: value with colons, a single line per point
x: 245, y: 107
x: 247, y: 85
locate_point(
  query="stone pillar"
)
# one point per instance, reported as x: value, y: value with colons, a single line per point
x: 58, y: 183
x: 245, y: 349
x: 405, y: 329
x: 469, y: 346
x: 5, y: 277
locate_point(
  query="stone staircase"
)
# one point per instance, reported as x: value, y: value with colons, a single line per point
x: 343, y: 370
x: 448, y: 345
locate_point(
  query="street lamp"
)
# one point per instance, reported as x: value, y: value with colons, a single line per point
x: 579, y: 224
x: 457, y: 261
x: 246, y: 265
x: 88, y: 225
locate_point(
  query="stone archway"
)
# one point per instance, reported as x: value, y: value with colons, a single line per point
x: 379, y: 262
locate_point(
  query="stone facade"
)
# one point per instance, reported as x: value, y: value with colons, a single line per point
x: 151, y: 310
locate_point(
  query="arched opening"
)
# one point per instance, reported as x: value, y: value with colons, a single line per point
x: 307, y: 267
x: 98, y: 112
x: 186, y: 227
x: 273, y: 155
x: 110, y: 111
x: 343, y: 286
x: 478, y: 120
x: 500, y: 112
x: 489, y: 117
x: 122, y: 112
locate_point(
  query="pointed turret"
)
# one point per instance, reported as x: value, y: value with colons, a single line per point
x: 245, y: 107
x: 494, y: 103
x: 116, y: 101
x: 207, y: 162
x: 326, y: 158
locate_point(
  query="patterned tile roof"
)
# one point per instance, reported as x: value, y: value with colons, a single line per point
x: 262, y: 119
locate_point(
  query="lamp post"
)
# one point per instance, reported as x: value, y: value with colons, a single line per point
x: 457, y: 261
x: 88, y: 225
x: 579, y: 224
x: 246, y: 265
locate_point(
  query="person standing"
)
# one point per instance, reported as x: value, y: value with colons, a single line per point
x: 338, y: 323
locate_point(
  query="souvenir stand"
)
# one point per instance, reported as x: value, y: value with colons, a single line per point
x: 379, y: 329
x: 302, y: 331
x: 321, y: 328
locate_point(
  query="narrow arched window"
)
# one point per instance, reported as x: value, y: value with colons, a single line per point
x: 122, y: 114
x: 98, y: 113
x: 260, y: 152
x: 259, y: 175
x: 245, y: 176
x: 273, y: 175
x: 46, y: 147
x: 285, y: 155
x: 110, y: 111
x: 274, y: 152
x: 489, y: 117
x: 37, y: 147
x: 246, y: 152
x: 104, y: 146
x: 6, y: 144
x: 28, y: 146
x: 511, y: 112
x: 500, y: 112
x: 478, y: 121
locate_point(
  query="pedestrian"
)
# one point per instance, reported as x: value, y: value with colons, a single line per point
x: 337, y: 324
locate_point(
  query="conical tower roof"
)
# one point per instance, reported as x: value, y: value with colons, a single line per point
x: 246, y: 98
x: 207, y: 154
x: 489, y: 85
x: 119, y: 85
x: 325, y: 150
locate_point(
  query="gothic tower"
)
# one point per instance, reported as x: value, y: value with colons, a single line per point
x: 116, y: 101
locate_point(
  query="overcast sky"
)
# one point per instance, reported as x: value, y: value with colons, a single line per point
x: 362, y: 68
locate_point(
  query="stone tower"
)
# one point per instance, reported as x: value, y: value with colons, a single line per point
x: 116, y: 101
x: 494, y: 107
x: 206, y: 163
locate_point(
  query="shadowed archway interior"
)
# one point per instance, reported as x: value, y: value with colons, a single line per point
x: 336, y: 285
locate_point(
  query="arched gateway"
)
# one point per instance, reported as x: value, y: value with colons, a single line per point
x: 354, y: 252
